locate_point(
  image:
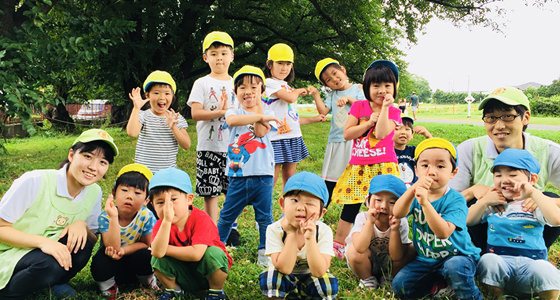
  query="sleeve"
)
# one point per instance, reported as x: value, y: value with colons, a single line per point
x: 395, y: 115
x: 329, y: 101
x: 325, y: 241
x: 359, y: 94
x: 20, y: 196
x: 272, y: 86
x: 404, y: 229
x: 155, y: 229
x: 182, y: 123
x: 197, y: 93
x: 103, y: 221
x: 487, y: 213
x: 455, y: 210
x: 93, y: 219
x: 205, y: 231
x: 358, y: 226
x: 149, y: 221
x: 274, y: 239
x: 554, y: 164
x: 463, y: 178
x: 355, y: 109
x: 142, y: 117
x: 273, y: 125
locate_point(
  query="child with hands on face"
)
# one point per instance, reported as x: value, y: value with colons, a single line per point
x: 126, y: 232
x: 378, y: 245
x: 516, y: 263
x: 445, y: 253
x: 299, y: 245
x: 160, y: 130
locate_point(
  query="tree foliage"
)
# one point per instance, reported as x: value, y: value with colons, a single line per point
x: 441, y: 97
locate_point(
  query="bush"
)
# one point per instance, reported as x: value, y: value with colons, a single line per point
x: 546, y: 107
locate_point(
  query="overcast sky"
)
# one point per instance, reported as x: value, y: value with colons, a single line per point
x: 527, y: 51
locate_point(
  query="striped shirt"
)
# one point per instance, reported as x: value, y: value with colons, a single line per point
x: 157, y: 147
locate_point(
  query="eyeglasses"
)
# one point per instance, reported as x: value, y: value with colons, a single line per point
x: 504, y: 118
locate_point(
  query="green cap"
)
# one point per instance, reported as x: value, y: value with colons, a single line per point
x: 96, y: 135
x: 507, y: 95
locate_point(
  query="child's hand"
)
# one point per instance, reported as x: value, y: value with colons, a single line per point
x: 267, y: 118
x: 223, y: 104
x: 525, y: 190
x: 394, y: 223
x: 494, y: 198
x: 422, y: 131
x: 311, y: 90
x: 136, y: 98
x: 301, y: 91
x: 308, y: 228
x: 388, y: 100
x: 529, y: 205
x: 374, y: 117
x: 372, y: 214
x: 168, y: 211
x: 342, y: 101
x: 319, y: 118
x: 110, y: 207
x: 421, y: 188
x: 114, y: 253
x: 171, y: 118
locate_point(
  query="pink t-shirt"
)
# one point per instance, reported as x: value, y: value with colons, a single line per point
x: 374, y: 151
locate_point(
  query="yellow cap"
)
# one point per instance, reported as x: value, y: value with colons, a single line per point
x: 136, y: 168
x: 322, y: 64
x: 435, y: 143
x: 281, y: 52
x: 216, y: 36
x: 247, y: 69
x: 160, y: 77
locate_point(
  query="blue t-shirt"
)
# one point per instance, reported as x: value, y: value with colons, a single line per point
x: 515, y: 232
x: 452, y: 207
x: 142, y: 224
x: 247, y: 154
x: 335, y: 134
x: 406, y: 165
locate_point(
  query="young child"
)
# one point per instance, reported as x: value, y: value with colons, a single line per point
x: 289, y: 147
x: 405, y: 153
x: 48, y: 219
x: 186, y: 249
x: 371, y: 125
x: 337, y: 154
x: 126, y: 232
x: 250, y: 156
x: 299, y: 245
x: 378, y: 245
x: 159, y: 130
x: 516, y: 262
x: 439, y: 230
x: 210, y: 98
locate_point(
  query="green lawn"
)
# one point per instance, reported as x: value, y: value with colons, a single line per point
x: 48, y: 150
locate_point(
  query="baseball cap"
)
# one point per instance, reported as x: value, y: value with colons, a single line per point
x: 96, y: 135
x: 436, y: 143
x: 216, y: 36
x: 247, y: 69
x: 160, y: 77
x: 507, y: 95
x: 136, y: 168
x: 403, y: 116
x: 308, y: 182
x: 281, y: 52
x: 172, y: 177
x: 391, y: 65
x: 387, y: 183
x: 322, y: 65
x: 519, y: 159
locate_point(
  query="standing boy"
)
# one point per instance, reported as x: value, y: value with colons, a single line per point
x: 187, y: 253
x: 209, y: 100
x: 439, y: 228
x: 299, y: 244
x: 405, y: 153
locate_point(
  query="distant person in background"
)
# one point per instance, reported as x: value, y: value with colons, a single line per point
x: 402, y: 105
x: 506, y: 114
x: 413, y: 102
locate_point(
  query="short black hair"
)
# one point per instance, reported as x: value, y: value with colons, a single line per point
x: 408, y: 123
x: 133, y: 179
x: 494, y: 105
x: 268, y: 74
x: 241, y: 78
x: 297, y: 192
x: 162, y: 189
x: 378, y: 74
x: 526, y: 172
x: 218, y: 45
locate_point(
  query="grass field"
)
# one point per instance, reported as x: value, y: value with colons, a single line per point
x: 48, y: 150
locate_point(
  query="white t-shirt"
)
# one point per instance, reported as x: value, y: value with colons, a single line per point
x: 361, y: 220
x: 274, y: 244
x: 24, y: 190
x: 286, y: 112
x: 209, y: 92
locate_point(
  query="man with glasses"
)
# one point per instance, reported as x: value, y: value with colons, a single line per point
x: 506, y: 114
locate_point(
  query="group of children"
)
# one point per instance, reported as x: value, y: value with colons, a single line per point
x: 248, y: 135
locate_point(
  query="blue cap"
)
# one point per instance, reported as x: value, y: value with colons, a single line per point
x: 387, y: 183
x: 519, y: 159
x: 391, y: 65
x: 172, y: 177
x: 307, y: 182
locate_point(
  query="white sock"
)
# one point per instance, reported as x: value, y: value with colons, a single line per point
x: 105, y: 285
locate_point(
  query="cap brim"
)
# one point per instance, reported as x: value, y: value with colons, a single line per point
x: 499, y: 98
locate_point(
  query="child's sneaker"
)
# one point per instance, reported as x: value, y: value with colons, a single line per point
x: 170, y: 294
x: 233, y: 239
x: 152, y: 284
x: 441, y: 290
x: 262, y: 259
x: 338, y: 250
x: 111, y: 293
x: 216, y: 295
x: 369, y: 283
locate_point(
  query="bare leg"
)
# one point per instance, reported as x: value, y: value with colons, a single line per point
x: 550, y: 295
x: 359, y: 261
x: 277, y: 168
x: 166, y: 281
x: 288, y: 170
x: 342, y: 230
x: 217, y: 280
x: 211, y: 207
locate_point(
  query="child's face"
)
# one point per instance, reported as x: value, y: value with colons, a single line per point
x: 129, y: 199
x: 160, y: 96
x: 435, y: 163
x: 218, y: 58
x: 249, y: 92
x: 403, y: 135
x: 378, y: 90
x: 335, y: 78
x: 383, y: 202
x: 301, y: 207
x: 86, y: 168
x: 505, y: 179
x: 281, y: 69
x: 181, y: 203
